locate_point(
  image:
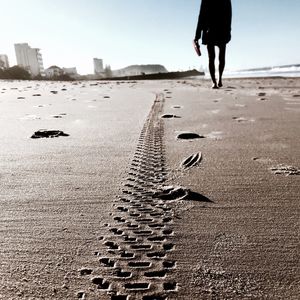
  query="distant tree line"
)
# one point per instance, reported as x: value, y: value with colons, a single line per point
x: 19, y: 73
x: 107, y: 71
x: 62, y: 77
x: 14, y: 72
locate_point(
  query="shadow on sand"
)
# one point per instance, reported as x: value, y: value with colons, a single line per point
x: 180, y: 193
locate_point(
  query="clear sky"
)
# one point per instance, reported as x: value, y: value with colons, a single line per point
x: 73, y: 32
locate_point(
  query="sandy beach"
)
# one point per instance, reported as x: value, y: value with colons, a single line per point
x: 150, y: 189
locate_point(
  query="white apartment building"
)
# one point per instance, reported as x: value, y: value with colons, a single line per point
x: 98, y: 66
x: 30, y: 59
x: 4, y: 61
x: 54, y: 71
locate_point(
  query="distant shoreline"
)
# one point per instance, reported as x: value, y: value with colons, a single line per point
x: 158, y: 76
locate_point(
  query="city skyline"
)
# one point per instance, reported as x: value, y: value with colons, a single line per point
x: 149, y: 32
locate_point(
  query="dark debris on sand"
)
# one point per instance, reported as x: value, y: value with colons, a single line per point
x: 48, y: 134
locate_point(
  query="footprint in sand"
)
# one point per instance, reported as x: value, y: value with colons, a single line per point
x: 262, y: 94
x: 48, y: 134
x: 242, y: 119
x: 170, y: 116
x: 283, y: 169
x: 179, y: 193
x: 189, y: 136
x: 239, y: 119
x: 191, y: 161
x: 217, y: 100
x: 262, y: 160
x: 176, y: 106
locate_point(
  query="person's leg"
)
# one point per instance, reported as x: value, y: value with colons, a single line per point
x: 211, y: 57
x: 222, y: 53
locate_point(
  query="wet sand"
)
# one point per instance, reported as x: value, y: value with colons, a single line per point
x: 150, y: 190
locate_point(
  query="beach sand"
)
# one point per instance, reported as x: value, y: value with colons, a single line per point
x: 123, y: 208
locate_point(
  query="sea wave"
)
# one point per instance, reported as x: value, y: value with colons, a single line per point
x: 290, y: 71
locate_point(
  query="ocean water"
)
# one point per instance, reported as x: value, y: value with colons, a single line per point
x: 290, y: 71
x: 284, y: 71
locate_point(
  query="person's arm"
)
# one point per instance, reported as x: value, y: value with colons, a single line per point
x: 201, y: 20
x: 230, y: 14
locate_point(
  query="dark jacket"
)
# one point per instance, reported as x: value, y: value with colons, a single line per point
x: 214, y: 22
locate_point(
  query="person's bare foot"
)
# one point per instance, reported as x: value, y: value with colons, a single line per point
x: 220, y: 83
x: 214, y: 86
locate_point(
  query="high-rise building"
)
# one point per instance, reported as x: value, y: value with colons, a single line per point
x: 30, y: 59
x: 4, y: 61
x: 98, y: 66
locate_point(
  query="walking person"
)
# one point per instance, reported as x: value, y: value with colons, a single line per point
x: 214, y: 28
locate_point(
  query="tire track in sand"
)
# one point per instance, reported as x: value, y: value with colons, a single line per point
x: 136, y: 265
